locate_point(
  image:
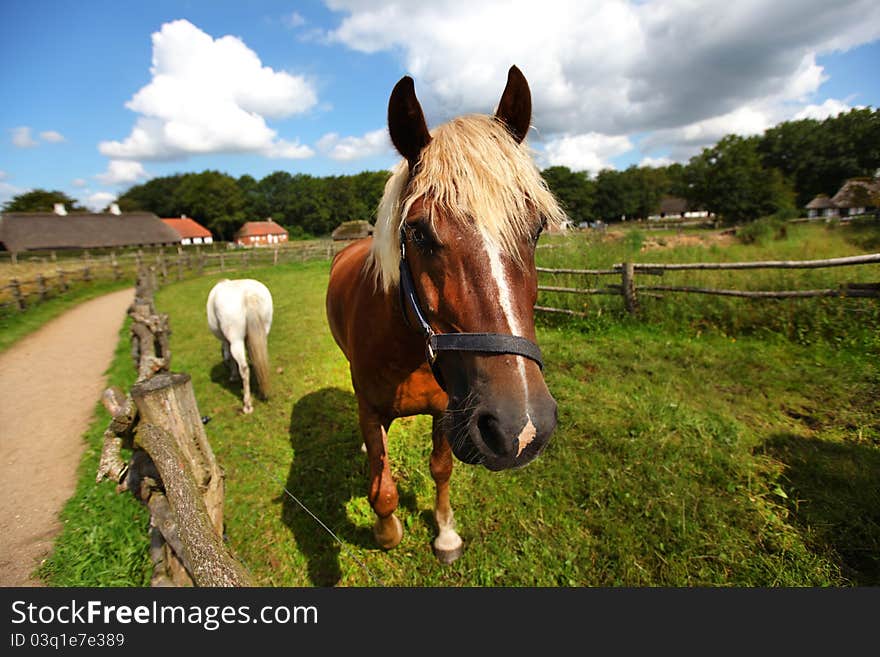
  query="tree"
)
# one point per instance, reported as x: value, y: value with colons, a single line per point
x: 213, y: 199
x: 40, y: 200
x: 574, y: 190
x: 818, y: 156
x: 730, y: 180
x: 157, y: 195
x: 617, y: 195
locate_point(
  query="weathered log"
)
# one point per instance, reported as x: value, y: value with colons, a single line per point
x: 202, y: 544
x: 164, y: 519
x: 124, y: 415
x: 168, y: 401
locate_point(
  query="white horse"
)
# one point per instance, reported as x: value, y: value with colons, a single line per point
x: 239, y: 314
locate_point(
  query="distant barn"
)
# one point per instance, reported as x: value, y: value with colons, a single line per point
x: 34, y: 231
x: 352, y: 230
x: 260, y: 233
x: 189, y: 230
x: 822, y: 206
x: 857, y: 196
x: 677, y: 207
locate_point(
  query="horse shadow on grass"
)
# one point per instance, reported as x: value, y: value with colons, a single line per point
x: 834, y: 497
x: 327, y: 470
x: 220, y: 375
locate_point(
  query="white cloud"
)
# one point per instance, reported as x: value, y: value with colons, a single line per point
x: 52, y: 136
x: 294, y: 20
x: 98, y: 201
x: 3, y: 175
x: 831, y: 107
x: 590, y: 152
x: 122, y: 172
x: 345, y: 149
x: 687, y: 140
x: 290, y: 150
x: 655, y: 162
x: 21, y: 137
x: 612, y: 67
x: 210, y: 95
x: 80, y: 182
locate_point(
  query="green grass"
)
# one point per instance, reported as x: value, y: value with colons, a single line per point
x: 16, y: 325
x: 682, y: 457
x: 844, y: 322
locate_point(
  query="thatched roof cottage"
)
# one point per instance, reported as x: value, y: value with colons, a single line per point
x: 32, y: 231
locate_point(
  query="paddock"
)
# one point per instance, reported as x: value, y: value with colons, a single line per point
x: 683, y: 457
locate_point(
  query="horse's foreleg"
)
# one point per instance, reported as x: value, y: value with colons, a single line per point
x: 240, y: 355
x: 448, y: 545
x: 383, y: 491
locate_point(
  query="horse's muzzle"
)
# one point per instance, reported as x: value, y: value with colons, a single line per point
x: 501, y: 439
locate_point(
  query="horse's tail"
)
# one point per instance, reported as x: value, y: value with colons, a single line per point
x: 257, y: 347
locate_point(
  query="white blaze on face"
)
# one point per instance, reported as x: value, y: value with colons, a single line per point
x: 526, y: 436
x: 513, y: 325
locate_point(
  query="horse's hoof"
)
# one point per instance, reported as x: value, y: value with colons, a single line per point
x: 247, y: 410
x: 388, y: 532
x: 448, y: 556
x: 448, y: 546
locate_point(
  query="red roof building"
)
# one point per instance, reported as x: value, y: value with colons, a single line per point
x: 190, y: 231
x: 260, y: 233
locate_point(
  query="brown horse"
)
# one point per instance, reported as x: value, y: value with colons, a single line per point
x: 449, y: 273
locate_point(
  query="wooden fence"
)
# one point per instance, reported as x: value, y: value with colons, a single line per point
x: 629, y: 290
x: 20, y: 293
x: 172, y: 469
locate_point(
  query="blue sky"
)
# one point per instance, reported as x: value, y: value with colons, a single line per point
x: 99, y: 96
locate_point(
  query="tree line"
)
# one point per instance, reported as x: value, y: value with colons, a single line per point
x: 738, y: 179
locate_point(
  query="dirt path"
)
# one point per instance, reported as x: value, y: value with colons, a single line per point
x: 50, y: 382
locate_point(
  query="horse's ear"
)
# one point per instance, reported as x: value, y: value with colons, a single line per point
x: 406, y: 122
x: 515, y: 108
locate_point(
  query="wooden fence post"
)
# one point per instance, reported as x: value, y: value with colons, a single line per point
x: 87, y: 274
x: 630, y: 303
x: 16, y: 293
x: 62, y: 281
x: 275, y: 257
x: 222, y: 262
x: 41, y: 286
x: 163, y: 266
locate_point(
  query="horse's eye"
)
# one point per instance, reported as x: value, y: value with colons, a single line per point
x: 422, y: 238
x: 540, y: 229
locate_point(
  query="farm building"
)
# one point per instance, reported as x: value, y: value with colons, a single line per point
x: 190, y: 231
x: 32, y: 231
x: 260, y: 233
x: 821, y: 206
x: 856, y: 196
x: 352, y: 230
x: 674, y: 206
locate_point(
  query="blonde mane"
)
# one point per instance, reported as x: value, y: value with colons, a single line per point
x: 474, y: 172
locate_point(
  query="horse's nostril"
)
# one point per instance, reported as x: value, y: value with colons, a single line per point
x: 491, y: 433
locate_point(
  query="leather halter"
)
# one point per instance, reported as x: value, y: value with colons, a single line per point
x: 492, y: 343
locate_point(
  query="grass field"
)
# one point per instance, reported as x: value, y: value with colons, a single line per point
x: 688, y: 453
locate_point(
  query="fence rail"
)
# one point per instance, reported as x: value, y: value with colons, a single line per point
x: 630, y: 291
x: 21, y: 292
